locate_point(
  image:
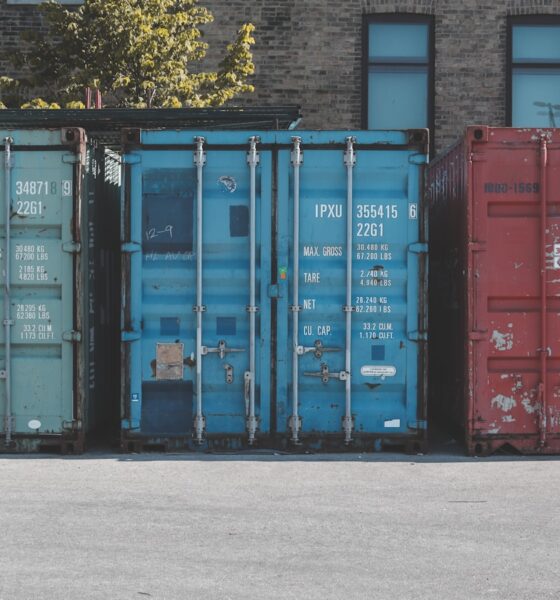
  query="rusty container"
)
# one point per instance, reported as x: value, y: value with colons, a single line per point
x: 495, y: 289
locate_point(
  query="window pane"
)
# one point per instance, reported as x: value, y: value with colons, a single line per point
x: 404, y: 42
x: 398, y: 97
x: 535, y: 98
x: 538, y: 43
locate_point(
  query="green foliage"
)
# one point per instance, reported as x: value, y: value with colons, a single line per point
x: 138, y: 53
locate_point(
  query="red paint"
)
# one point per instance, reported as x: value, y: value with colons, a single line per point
x: 495, y: 290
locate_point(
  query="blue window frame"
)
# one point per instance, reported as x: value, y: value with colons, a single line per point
x: 534, y: 71
x: 398, y: 72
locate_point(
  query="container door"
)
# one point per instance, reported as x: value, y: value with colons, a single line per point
x: 350, y: 324
x: 37, y: 377
x: 515, y: 286
x: 197, y: 323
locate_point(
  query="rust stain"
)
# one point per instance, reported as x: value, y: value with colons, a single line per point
x: 372, y: 386
x: 153, y: 365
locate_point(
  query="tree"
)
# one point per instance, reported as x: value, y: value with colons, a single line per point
x: 138, y: 53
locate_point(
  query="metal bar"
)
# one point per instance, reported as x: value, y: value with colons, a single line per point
x: 199, y: 161
x: 253, y: 161
x: 349, y: 161
x: 543, y: 428
x: 295, y: 421
x: 7, y: 300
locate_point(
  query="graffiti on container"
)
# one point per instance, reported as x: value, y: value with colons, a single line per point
x: 228, y: 183
x: 169, y: 256
x: 505, y: 403
x: 152, y: 232
x: 502, y: 341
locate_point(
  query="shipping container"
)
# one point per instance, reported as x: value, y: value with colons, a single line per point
x: 46, y: 346
x: 219, y: 312
x: 495, y: 288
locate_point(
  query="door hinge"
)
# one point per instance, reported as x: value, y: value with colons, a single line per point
x: 75, y: 425
x: 477, y: 246
x: 478, y: 336
x: 131, y: 159
x: 418, y: 248
x: 417, y: 159
x: 72, y: 247
x: 72, y: 336
x: 131, y: 247
x: 478, y: 157
x: 130, y: 335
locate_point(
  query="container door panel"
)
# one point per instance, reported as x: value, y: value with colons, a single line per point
x: 510, y: 308
x: 42, y: 289
x: 166, y: 355
x: 387, y: 262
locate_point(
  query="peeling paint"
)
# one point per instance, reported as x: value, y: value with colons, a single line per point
x: 529, y: 408
x: 494, y: 431
x: 504, y: 402
x: 502, y: 341
x: 508, y: 419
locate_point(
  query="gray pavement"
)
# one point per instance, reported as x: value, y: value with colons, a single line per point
x: 384, y: 526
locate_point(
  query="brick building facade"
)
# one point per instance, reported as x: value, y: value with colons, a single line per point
x: 311, y: 52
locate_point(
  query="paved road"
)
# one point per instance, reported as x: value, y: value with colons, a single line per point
x: 264, y: 527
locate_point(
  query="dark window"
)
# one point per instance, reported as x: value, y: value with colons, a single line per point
x: 398, y: 72
x: 534, y: 71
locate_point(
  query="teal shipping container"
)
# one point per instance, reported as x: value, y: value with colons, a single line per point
x: 274, y: 289
x: 47, y: 367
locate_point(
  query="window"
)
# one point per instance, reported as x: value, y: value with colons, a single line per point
x: 534, y: 71
x: 398, y: 72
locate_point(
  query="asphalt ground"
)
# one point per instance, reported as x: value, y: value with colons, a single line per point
x: 387, y: 526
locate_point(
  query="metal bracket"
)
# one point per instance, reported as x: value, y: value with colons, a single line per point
x: 199, y: 154
x: 296, y: 154
x: 199, y: 309
x: 9, y: 322
x: 348, y: 309
x: 325, y: 374
x: 72, y: 247
x: 3, y: 374
x: 221, y: 349
x: 229, y: 373
x: 72, y: 336
x: 350, y: 154
x: 293, y: 308
x: 253, y: 157
x: 318, y: 349
x: 252, y: 309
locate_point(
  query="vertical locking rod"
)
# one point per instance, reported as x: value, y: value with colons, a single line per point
x: 349, y: 161
x: 7, y: 300
x: 253, y: 161
x: 542, y: 390
x: 199, y: 161
x: 295, y: 421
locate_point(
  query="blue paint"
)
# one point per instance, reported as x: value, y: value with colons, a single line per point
x: 239, y: 221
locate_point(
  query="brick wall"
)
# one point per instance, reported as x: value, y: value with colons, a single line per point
x: 309, y: 52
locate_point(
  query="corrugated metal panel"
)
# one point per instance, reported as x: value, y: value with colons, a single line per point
x: 496, y: 193
x: 44, y: 342
x: 164, y: 360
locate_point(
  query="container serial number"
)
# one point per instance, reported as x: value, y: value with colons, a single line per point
x: 519, y: 187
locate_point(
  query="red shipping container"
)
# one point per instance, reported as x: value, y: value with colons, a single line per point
x: 495, y: 289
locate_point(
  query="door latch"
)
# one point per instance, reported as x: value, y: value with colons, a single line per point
x: 318, y: 349
x: 325, y: 374
x: 222, y: 349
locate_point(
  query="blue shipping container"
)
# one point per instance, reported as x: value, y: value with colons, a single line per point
x: 238, y: 281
